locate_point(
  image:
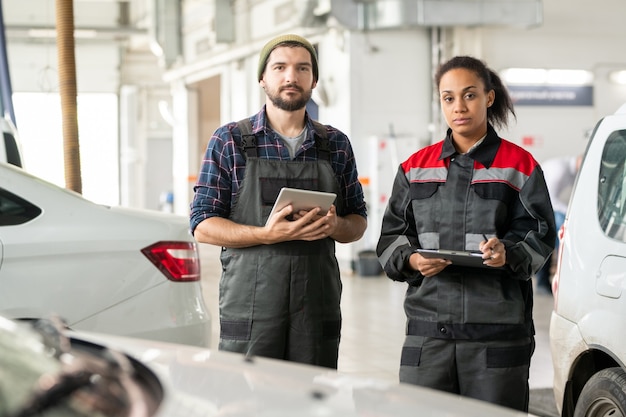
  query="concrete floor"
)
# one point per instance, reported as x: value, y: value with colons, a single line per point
x: 373, y: 329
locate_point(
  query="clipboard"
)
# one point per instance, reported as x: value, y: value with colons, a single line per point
x: 458, y: 257
x: 302, y: 200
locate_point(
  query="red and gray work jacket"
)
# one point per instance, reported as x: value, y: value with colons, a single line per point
x: 445, y: 200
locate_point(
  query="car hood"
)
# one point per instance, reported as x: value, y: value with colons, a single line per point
x: 228, y: 384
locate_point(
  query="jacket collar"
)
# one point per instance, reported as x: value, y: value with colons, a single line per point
x: 483, y: 153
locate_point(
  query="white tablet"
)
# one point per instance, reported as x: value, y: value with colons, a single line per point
x: 302, y: 200
x: 457, y: 257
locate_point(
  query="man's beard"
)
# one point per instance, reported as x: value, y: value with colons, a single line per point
x: 290, y: 104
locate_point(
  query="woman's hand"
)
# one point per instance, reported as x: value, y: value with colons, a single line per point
x: 427, y: 266
x: 494, y: 252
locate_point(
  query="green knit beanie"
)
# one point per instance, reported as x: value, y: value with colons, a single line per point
x: 269, y: 47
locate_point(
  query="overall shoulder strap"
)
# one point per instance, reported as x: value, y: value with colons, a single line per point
x: 248, y: 140
x: 322, y: 144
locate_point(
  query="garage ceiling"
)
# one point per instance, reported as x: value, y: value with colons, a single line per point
x: 34, y: 20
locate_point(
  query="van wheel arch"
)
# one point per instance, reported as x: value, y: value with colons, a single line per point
x: 584, y: 368
x: 604, y: 394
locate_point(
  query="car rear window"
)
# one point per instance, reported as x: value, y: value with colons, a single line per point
x: 612, y: 187
x: 12, y: 150
x: 15, y: 210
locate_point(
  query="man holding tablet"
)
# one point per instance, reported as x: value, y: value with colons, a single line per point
x: 280, y: 288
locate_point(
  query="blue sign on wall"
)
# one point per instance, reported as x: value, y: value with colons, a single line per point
x: 551, y: 95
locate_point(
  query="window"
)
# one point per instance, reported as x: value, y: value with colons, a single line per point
x: 15, y: 210
x: 12, y: 150
x: 612, y: 187
x: 41, y: 139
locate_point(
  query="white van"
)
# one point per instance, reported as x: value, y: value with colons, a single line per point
x: 9, y: 145
x: 588, y: 324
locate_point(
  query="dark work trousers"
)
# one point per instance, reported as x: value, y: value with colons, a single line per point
x: 493, y: 371
x: 281, y: 301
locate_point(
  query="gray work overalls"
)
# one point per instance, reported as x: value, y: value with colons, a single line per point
x: 281, y: 300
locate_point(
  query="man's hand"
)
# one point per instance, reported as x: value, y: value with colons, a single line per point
x: 306, y: 225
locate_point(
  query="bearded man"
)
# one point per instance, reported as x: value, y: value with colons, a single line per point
x: 280, y: 288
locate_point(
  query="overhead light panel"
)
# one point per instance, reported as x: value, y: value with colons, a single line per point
x: 52, y: 33
x: 618, y: 77
x: 542, y: 76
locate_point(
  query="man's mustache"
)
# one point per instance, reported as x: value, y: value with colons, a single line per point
x: 293, y: 86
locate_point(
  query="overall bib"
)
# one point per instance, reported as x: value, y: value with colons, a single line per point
x: 283, y: 300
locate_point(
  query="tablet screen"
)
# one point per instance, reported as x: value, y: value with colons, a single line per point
x: 303, y: 200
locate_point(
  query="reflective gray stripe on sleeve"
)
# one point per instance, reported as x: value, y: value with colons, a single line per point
x: 537, y: 259
x: 400, y: 241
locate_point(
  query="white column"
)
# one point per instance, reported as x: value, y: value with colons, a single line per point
x: 184, y: 151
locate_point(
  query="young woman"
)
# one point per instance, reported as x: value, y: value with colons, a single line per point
x: 469, y: 329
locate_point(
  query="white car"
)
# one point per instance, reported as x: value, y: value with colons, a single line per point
x: 103, y: 269
x: 47, y: 374
x: 588, y: 324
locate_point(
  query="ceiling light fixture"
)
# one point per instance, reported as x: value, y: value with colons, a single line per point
x: 618, y: 77
x: 541, y: 76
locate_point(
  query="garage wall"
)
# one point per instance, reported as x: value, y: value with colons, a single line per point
x: 575, y: 34
x: 373, y: 82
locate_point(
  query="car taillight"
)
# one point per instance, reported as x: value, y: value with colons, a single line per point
x: 557, y: 274
x: 179, y: 261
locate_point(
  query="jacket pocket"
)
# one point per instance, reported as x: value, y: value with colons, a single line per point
x: 493, y: 202
x: 420, y: 191
x: 494, y: 299
x: 509, y: 356
x: 495, y: 191
x: 426, y: 208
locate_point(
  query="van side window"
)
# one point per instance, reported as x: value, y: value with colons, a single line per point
x: 15, y: 210
x: 612, y: 187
